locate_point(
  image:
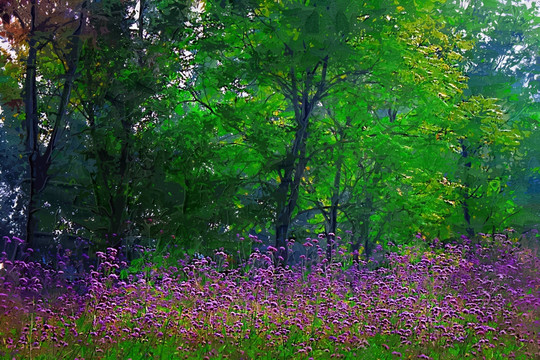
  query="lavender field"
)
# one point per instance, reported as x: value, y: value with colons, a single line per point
x: 425, y: 302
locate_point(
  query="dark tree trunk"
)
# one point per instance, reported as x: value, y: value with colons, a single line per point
x: 333, y: 220
x: 39, y: 163
x: 333, y: 216
x: 31, y: 127
x: 288, y: 191
x: 293, y: 167
x: 112, y: 192
x: 355, y: 247
x: 466, y: 190
x: 364, y: 229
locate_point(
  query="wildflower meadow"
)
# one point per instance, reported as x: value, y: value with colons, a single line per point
x: 428, y: 301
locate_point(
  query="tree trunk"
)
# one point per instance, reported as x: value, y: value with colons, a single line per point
x: 288, y: 192
x: 466, y: 183
x: 332, y: 226
x: 294, y: 164
x: 31, y: 127
x: 364, y: 229
x: 39, y: 163
x: 355, y: 247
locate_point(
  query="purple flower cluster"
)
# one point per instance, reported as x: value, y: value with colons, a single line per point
x: 451, y: 302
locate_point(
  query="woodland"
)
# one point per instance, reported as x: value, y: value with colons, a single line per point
x: 252, y: 179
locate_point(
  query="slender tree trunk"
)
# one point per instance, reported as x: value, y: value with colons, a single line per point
x: 355, y: 247
x: 39, y: 163
x: 294, y: 165
x: 140, y: 20
x: 364, y: 229
x: 466, y: 196
x: 119, y: 198
x: 333, y: 213
x: 333, y: 216
x: 111, y: 196
x: 331, y: 234
x: 31, y: 126
x: 288, y: 192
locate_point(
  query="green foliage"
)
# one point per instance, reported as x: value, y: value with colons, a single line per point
x: 385, y: 119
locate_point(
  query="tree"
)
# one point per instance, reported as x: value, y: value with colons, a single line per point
x: 119, y: 94
x: 52, y: 37
x: 503, y: 64
x: 488, y: 149
x: 389, y: 125
x: 302, y: 52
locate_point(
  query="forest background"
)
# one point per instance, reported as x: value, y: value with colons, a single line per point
x: 196, y: 124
